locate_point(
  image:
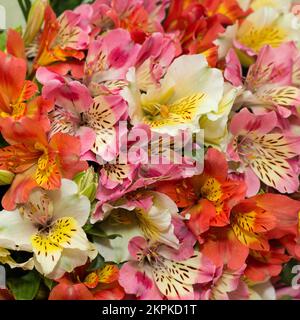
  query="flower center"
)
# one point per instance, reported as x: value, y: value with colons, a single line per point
x: 255, y: 38
x: 212, y: 191
x: 156, y: 110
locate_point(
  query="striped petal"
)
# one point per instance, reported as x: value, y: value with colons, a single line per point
x: 271, y: 154
x: 175, y: 279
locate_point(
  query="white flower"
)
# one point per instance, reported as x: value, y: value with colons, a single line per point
x: 50, y: 226
x: 265, y: 26
x: 214, y: 124
x: 149, y: 216
x: 189, y: 89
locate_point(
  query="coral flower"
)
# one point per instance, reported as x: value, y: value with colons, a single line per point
x: 252, y: 222
x: 200, y: 22
x: 62, y: 38
x: 209, y: 197
x: 139, y: 17
x: 17, y: 95
x: 101, y: 284
x: 35, y: 160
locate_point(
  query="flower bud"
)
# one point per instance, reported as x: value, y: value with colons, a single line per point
x: 87, y: 182
x: 35, y: 20
x: 6, y: 177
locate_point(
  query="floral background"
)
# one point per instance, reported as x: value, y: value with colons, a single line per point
x: 78, y: 78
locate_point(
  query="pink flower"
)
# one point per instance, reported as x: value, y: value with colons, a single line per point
x: 108, y: 60
x: 139, y: 17
x: 265, y: 154
x: 153, y: 273
x: 226, y: 282
x: 269, y: 82
x: 77, y: 113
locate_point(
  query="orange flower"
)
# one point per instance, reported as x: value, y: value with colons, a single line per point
x: 61, y: 39
x: 251, y: 222
x: 262, y: 265
x: 228, y: 10
x: 35, y: 160
x: 18, y: 95
x: 210, y: 195
x: 200, y: 22
x: 101, y: 284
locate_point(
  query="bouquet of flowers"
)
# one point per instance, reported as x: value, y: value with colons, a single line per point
x: 150, y: 149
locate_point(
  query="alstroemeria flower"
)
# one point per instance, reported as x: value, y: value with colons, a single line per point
x: 261, y: 265
x: 269, y: 84
x: 101, y: 284
x: 76, y: 113
x: 139, y: 17
x: 35, y: 160
x: 265, y: 26
x: 261, y: 291
x: 196, y: 30
x: 155, y: 56
x: 209, y: 197
x: 230, y: 11
x: 153, y: 274
x: 199, y: 24
x: 188, y: 90
x: 17, y: 95
x: 147, y: 214
x: 108, y: 60
x: 50, y: 226
x: 144, y: 158
x: 265, y: 154
x: 224, y: 284
x: 62, y: 38
x: 250, y: 222
x: 288, y: 220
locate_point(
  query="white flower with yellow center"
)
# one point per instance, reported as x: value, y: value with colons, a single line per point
x: 188, y: 90
x: 50, y: 226
x: 265, y: 26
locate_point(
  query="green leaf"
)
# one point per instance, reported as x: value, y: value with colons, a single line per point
x: 88, y: 226
x: 2, y: 41
x: 25, y: 287
x: 97, y: 263
x: 50, y: 284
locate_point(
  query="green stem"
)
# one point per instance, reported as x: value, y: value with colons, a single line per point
x: 24, y: 11
x: 28, y: 6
